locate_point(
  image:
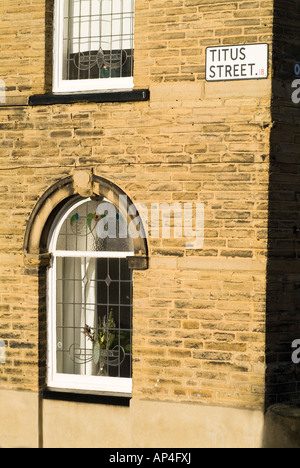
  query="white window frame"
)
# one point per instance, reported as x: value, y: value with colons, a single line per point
x: 71, y: 86
x: 71, y: 382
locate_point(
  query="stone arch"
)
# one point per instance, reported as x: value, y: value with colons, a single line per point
x: 82, y: 184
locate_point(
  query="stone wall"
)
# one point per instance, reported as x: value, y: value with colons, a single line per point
x: 199, y: 315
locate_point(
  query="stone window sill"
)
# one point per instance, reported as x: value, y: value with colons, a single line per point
x: 115, y: 96
x: 82, y: 397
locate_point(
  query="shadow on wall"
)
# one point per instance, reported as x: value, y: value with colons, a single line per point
x: 48, y: 44
x: 283, y: 271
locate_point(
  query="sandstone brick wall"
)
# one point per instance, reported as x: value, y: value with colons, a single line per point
x: 282, y: 323
x: 199, y: 316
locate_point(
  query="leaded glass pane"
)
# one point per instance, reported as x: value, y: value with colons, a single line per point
x: 93, y: 316
x: 98, y: 39
x: 95, y: 227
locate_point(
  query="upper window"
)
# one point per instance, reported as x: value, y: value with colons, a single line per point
x: 90, y: 299
x: 93, y: 45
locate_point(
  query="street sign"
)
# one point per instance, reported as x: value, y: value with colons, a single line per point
x: 238, y: 62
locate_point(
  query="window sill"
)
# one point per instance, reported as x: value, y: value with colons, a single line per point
x: 82, y: 397
x: 114, y: 96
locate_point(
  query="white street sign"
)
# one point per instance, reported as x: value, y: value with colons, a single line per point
x: 240, y: 62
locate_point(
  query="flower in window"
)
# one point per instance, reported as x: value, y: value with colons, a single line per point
x: 109, y: 344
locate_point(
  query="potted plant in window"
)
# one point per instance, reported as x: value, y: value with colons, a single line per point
x: 110, y: 345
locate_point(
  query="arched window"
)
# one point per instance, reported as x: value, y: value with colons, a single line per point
x: 90, y: 299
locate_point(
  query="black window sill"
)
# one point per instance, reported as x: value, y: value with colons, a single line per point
x: 114, y: 96
x: 50, y: 394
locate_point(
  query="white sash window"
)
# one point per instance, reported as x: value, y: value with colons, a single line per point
x: 93, y: 45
